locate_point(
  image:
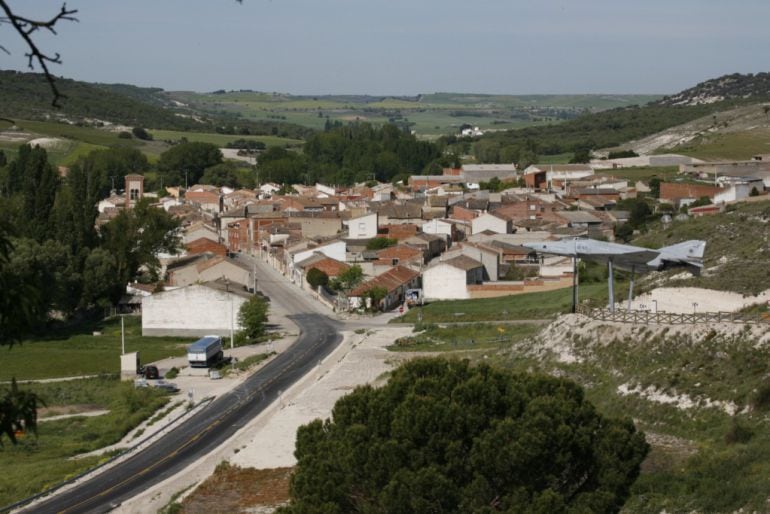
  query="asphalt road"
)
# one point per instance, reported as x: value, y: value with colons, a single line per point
x: 210, y: 427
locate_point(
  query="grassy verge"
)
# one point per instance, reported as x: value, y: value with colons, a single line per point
x: 248, y: 362
x: 522, y: 306
x: 478, y: 336
x: 79, y: 352
x: 42, y: 462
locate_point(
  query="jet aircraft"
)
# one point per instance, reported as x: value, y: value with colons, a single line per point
x: 635, y: 259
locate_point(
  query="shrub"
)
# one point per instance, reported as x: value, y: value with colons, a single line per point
x: 315, y: 277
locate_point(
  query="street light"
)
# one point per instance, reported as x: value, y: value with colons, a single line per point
x: 694, y: 307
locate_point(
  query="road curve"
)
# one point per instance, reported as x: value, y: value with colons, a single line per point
x: 214, y: 424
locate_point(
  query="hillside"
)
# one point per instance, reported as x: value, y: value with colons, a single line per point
x: 690, y: 122
x: 28, y: 96
x: 733, y: 134
x: 737, y: 251
x: 700, y: 394
x: 728, y: 87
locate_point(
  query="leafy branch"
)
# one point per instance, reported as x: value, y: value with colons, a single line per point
x: 26, y: 28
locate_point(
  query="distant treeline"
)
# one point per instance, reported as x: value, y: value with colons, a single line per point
x: 353, y: 153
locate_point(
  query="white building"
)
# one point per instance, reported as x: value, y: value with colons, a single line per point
x: 448, y: 279
x: 493, y: 222
x: 335, y: 250
x: 737, y: 188
x: 269, y: 189
x: 439, y: 227
x: 194, y: 311
x: 364, y: 227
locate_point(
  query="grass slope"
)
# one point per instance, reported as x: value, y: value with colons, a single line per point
x: 737, y: 247
x: 42, y: 462
x: 704, y: 459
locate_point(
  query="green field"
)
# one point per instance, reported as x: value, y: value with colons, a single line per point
x: 521, y: 306
x: 221, y: 139
x: 82, y: 353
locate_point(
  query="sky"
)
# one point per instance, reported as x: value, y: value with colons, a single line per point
x: 404, y: 47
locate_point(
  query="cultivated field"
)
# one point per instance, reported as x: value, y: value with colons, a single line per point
x: 429, y: 115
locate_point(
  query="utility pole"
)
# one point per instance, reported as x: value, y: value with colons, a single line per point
x: 122, y: 336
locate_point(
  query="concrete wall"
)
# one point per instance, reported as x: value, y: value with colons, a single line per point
x: 192, y: 311
x: 511, y: 288
x: 318, y: 227
x: 444, y: 282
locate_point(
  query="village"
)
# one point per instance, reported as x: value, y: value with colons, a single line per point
x: 379, y: 247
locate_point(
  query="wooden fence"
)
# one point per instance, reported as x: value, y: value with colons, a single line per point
x: 670, y: 318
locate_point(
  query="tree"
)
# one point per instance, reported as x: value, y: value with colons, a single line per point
x: 136, y: 236
x: 32, y: 177
x: 188, y: 161
x: 375, y: 295
x: 351, y: 277
x: 443, y: 436
x: 22, y: 304
x: 655, y: 187
x: 316, y: 278
x: 624, y: 232
x: 581, y: 156
x: 18, y: 412
x: 102, y: 285
x: 252, y: 317
x: 141, y: 133
x: 378, y: 243
x: 227, y: 174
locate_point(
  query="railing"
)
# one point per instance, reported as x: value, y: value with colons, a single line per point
x: 669, y: 318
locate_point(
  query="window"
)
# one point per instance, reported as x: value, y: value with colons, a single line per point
x: 133, y: 194
x: 533, y: 207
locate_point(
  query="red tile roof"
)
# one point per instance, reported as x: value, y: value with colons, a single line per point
x: 390, y: 280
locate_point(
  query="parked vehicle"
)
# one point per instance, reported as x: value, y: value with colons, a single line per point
x: 167, y: 386
x: 205, y: 352
x: 150, y: 372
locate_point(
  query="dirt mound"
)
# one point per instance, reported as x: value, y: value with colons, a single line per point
x: 235, y: 489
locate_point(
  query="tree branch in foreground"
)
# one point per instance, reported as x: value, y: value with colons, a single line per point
x: 26, y: 27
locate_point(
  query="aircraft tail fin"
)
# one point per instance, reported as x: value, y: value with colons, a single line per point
x: 688, y: 254
x: 690, y: 251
